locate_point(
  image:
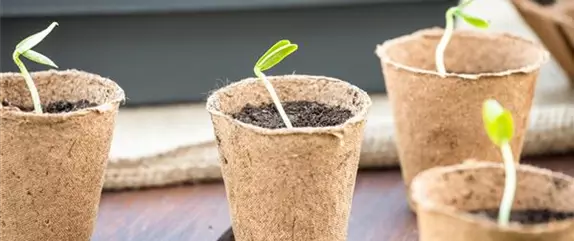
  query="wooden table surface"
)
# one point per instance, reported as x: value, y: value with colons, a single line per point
x: 200, y: 213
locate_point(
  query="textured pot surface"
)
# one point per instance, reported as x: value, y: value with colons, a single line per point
x: 438, y: 119
x: 52, y: 165
x: 289, y: 184
x: 444, y: 195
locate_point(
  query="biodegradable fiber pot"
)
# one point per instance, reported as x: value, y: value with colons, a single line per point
x: 438, y: 120
x: 289, y: 184
x: 52, y: 165
x: 446, y: 196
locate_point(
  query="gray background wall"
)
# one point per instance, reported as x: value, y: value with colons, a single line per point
x: 162, y: 55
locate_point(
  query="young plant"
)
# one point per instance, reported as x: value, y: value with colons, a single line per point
x: 451, y: 13
x: 24, y: 48
x: 273, y: 56
x: 499, y: 126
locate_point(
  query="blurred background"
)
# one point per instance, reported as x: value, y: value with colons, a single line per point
x: 169, y: 54
x: 174, y: 51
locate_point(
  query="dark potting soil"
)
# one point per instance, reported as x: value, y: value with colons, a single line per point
x: 529, y: 216
x: 59, y: 106
x: 227, y: 235
x: 300, y: 113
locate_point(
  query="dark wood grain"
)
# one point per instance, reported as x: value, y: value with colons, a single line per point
x: 200, y: 213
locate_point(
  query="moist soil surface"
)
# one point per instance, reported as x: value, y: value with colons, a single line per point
x: 529, y: 216
x: 60, y: 106
x: 300, y: 113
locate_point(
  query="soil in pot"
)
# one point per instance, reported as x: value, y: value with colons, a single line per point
x: 60, y: 106
x: 460, y: 202
x: 305, y: 177
x: 301, y: 114
x: 52, y: 166
x: 435, y: 117
x: 528, y: 216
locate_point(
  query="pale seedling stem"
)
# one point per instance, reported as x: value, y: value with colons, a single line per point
x: 439, y: 54
x: 274, y: 97
x: 449, y: 29
x: 273, y: 56
x: 24, y: 48
x: 499, y: 126
x: 509, y: 185
x: 30, y: 83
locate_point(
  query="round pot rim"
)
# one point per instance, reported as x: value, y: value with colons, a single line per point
x: 105, y: 107
x: 337, y: 130
x: 381, y: 52
x: 422, y: 203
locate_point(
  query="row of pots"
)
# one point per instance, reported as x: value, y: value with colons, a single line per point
x: 297, y: 184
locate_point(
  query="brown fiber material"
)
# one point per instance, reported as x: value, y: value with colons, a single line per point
x: 52, y: 165
x: 438, y: 120
x: 549, y: 131
x: 554, y: 25
x: 289, y: 184
x: 444, y: 195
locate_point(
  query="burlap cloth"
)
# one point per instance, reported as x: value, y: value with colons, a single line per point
x: 157, y: 146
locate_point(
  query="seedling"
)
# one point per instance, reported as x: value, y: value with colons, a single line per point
x: 24, y: 48
x: 273, y: 56
x: 499, y: 126
x: 452, y: 12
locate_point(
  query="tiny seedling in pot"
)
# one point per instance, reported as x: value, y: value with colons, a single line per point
x: 24, y: 48
x: 499, y: 126
x: 452, y: 12
x: 273, y: 56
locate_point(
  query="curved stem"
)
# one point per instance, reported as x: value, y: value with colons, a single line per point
x: 29, y: 83
x: 509, y: 185
x: 439, y: 54
x: 274, y: 97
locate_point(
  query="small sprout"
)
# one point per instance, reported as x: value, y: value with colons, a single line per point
x: 24, y: 48
x: 499, y: 126
x: 273, y: 56
x: 450, y: 14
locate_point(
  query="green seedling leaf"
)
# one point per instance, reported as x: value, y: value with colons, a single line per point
x: 24, y: 48
x: 277, y: 45
x: 33, y: 40
x: 474, y: 21
x: 275, y: 54
x: 498, y: 122
x: 39, y: 58
x: 499, y: 126
x: 449, y: 29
